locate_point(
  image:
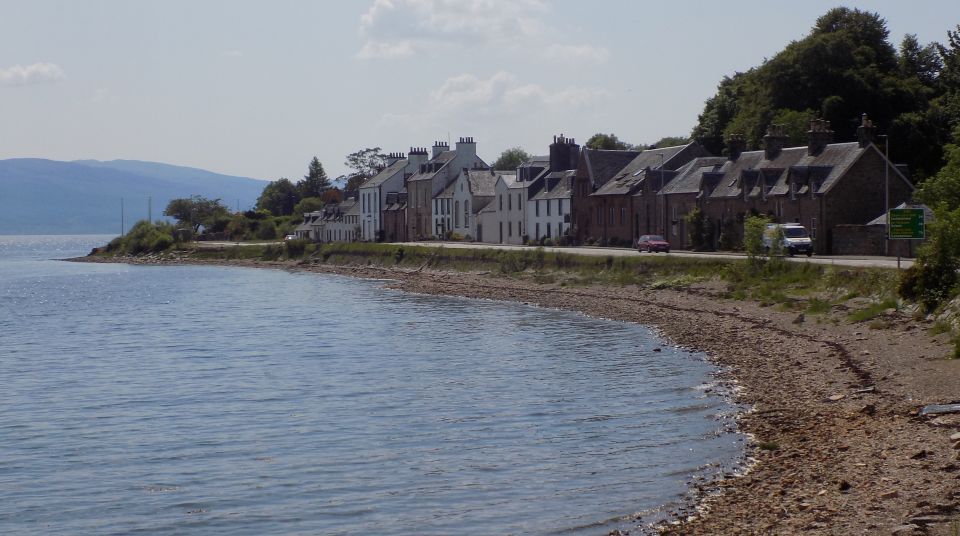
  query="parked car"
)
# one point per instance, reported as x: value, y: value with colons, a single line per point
x: 652, y: 244
x: 290, y: 237
x: 792, y: 238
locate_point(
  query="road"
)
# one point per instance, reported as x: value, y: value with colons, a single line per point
x: 861, y: 262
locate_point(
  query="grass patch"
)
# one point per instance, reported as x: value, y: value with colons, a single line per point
x: 873, y: 310
x: 768, y: 445
x: 818, y: 307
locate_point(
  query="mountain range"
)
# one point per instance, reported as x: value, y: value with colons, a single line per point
x: 39, y: 196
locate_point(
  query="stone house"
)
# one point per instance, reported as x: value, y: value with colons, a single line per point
x: 431, y: 179
x: 395, y: 217
x: 820, y: 185
x: 622, y: 208
x: 594, y: 168
x: 373, y: 192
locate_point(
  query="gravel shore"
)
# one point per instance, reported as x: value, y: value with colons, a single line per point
x: 840, y: 446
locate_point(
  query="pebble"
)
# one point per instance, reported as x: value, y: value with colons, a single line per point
x: 836, y: 398
x: 955, y: 437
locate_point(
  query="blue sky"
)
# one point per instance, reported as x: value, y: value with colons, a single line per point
x: 259, y: 88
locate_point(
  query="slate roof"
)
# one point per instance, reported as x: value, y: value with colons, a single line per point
x: 558, y: 185
x: 482, y: 183
x: 438, y: 162
x: 536, y: 161
x: 602, y: 164
x: 690, y: 176
x: 625, y: 181
x: 385, y: 174
x: 817, y: 173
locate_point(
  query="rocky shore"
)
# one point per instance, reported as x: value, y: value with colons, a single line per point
x: 840, y: 444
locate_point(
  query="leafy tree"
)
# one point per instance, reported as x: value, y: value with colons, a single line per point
x: 608, y: 142
x: 315, y: 182
x: 308, y: 204
x: 511, y: 159
x: 671, y: 141
x: 366, y: 162
x: 844, y: 67
x: 279, y: 197
x: 332, y: 195
x: 354, y: 182
x: 195, y: 211
x: 944, y: 188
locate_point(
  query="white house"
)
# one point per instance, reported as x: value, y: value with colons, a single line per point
x: 433, y: 177
x: 548, y: 206
x: 507, y: 224
x: 373, y: 191
x: 340, y: 222
x: 471, y: 192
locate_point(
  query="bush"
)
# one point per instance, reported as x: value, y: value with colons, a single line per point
x: 266, y: 230
x: 698, y: 230
x: 295, y: 248
x: 932, y: 279
x: 753, y: 229
x: 143, y: 237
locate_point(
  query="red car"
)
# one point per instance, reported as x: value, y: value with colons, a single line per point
x: 653, y: 243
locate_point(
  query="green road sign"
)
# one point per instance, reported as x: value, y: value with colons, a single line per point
x: 906, y: 223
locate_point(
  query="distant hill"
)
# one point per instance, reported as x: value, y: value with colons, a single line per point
x: 40, y: 196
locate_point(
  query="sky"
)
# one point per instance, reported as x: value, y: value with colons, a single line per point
x: 257, y: 89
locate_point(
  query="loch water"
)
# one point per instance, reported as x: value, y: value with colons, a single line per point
x: 222, y: 400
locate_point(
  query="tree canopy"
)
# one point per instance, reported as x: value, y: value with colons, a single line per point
x: 843, y: 68
x: 511, y: 159
x: 279, y: 197
x: 195, y: 211
x: 366, y: 162
x: 315, y: 182
x: 608, y: 142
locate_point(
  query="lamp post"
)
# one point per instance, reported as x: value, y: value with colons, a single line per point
x: 886, y: 190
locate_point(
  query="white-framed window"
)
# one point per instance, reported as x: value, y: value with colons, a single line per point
x: 466, y: 213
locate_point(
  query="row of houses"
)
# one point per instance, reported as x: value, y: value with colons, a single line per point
x: 577, y: 195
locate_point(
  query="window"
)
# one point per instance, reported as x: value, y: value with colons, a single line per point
x: 548, y: 208
x: 501, y: 204
x: 548, y: 231
x: 610, y: 217
x: 623, y: 215
x: 456, y: 214
x: 537, y: 206
x: 509, y: 228
x: 537, y: 227
x: 466, y: 213
x: 813, y: 227
x: 509, y: 202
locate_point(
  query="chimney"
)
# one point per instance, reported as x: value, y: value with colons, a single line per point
x: 866, y: 131
x: 736, y: 145
x: 564, y: 153
x: 439, y: 147
x: 466, y: 150
x: 819, y: 136
x: 774, y: 140
x: 393, y: 158
x: 415, y: 157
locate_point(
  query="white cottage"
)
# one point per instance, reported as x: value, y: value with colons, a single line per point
x: 548, y: 206
x: 373, y: 191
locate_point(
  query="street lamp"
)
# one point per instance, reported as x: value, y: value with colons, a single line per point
x: 886, y: 189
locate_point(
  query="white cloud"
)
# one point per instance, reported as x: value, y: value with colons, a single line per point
x: 403, y: 28
x: 36, y: 73
x: 467, y: 97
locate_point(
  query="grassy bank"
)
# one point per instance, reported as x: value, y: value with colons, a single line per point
x: 821, y: 291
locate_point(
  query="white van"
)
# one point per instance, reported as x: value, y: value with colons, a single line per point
x: 793, y: 238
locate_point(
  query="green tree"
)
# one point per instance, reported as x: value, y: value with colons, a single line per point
x: 195, y: 211
x: 366, y: 162
x: 608, y: 142
x: 511, y: 159
x: 315, y: 182
x: 671, y: 141
x: 308, y: 204
x: 354, y: 182
x: 279, y: 197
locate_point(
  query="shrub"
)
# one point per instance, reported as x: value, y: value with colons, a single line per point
x: 266, y: 230
x: 698, y: 230
x: 143, y: 237
x: 295, y: 248
x: 932, y: 279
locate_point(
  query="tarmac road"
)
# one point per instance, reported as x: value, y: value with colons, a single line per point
x: 863, y: 262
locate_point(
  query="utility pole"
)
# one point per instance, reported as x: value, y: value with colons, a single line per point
x: 886, y: 191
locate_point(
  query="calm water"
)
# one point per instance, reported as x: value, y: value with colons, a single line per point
x: 208, y: 400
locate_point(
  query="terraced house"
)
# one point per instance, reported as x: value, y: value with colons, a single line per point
x: 820, y: 185
x: 374, y: 191
x: 425, y: 217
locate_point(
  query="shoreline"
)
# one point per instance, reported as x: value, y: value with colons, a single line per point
x: 838, y: 445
